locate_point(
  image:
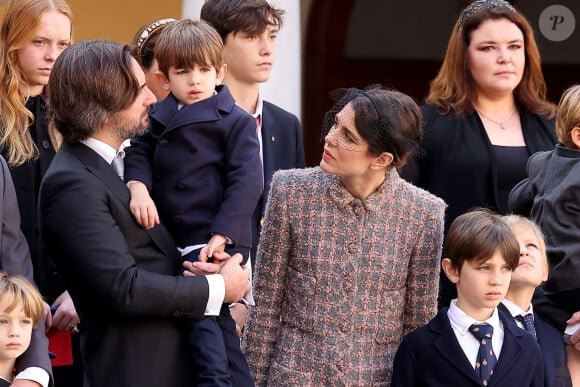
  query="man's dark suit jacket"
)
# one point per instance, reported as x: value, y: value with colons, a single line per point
x: 556, y: 372
x: 125, y: 280
x: 282, y: 148
x: 15, y: 260
x: 432, y: 356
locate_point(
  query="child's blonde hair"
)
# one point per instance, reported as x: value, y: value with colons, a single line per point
x: 517, y: 221
x: 568, y: 115
x: 21, y: 293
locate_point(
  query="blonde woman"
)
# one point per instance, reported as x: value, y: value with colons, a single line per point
x: 33, y: 33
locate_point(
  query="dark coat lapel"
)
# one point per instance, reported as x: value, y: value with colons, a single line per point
x: 99, y: 167
x: 511, y: 348
x: 449, y: 347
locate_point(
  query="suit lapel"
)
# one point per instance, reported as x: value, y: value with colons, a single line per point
x: 550, y: 346
x: 270, y: 129
x: 449, y: 347
x: 103, y: 171
x: 510, y: 350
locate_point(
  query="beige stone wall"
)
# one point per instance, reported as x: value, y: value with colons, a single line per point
x: 116, y: 20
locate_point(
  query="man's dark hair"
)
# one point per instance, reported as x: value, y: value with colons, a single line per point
x: 90, y: 82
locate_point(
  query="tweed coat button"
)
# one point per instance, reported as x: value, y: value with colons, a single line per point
x: 45, y: 144
x: 180, y: 186
x: 163, y: 142
x: 344, y: 325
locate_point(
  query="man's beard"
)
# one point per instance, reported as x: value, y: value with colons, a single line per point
x: 126, y: 129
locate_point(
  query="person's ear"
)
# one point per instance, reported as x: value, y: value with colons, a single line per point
x: 221, y: 74
x: 575, y: 135
x: 546, y: 270
x: 450, y: 271
x: 163, y: 80
x: 382, y: 161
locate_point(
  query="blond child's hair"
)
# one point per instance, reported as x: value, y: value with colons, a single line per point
x: 21, y: 293
x: 516, y: 222
x: 568, y: 115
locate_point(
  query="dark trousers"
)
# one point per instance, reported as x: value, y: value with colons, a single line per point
x: 217, y: 356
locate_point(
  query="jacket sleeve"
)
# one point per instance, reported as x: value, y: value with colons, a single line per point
x: 404, y: 370
x: 15, y: 260
x: 244, y: 180
x: 139, y: 158
x: 87, y: 228
x: 269, y: 287
x: 424, y: 268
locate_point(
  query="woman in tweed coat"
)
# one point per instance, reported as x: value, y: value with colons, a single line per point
x: 348, y: 260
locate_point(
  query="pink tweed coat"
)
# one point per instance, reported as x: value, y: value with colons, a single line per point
x: 339, y: 280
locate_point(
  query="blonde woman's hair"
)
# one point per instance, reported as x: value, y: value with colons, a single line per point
x: 568, y: 115
x: 20, y: 22
x: 517, y: 221
x: 21, y: 293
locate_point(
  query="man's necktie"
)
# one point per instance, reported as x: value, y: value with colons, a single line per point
x: 527, y: 320
x: 486, y: 359
x: 118, y: 164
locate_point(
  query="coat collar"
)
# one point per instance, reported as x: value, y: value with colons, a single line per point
x: 373, y: 204
x: 211, y: 109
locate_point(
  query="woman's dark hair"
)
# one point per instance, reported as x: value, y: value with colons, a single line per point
x: 388, y: 120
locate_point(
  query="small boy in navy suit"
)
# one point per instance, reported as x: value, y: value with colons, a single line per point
x: 471, y: 343
x: 532, y: 270
x: 201, y: 162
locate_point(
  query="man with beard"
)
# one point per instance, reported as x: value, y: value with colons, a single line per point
x: 124, y: 279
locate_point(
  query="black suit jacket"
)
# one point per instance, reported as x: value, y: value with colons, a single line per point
x: 432, y: 356
x: 556, y: 372
x: 282, y: 148
x: 123, y: 279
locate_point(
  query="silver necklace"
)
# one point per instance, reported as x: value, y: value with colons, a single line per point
x: 500, y: 124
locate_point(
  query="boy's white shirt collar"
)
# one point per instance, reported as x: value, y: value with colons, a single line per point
x: 461, y: 322
x: 259, y: 107
x: 516, y: 310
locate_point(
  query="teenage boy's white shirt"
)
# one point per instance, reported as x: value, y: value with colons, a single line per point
x: 460, y: 323
x: 516, y: 310
x: 217, y: 287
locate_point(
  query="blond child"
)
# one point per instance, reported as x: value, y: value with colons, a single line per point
x: 531, y: 272
x: 21, y: 309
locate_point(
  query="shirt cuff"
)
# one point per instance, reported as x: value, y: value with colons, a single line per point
x: 36, y: 374
x: 217, y: 292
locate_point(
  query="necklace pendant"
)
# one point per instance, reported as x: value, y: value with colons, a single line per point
x: 501, y: 126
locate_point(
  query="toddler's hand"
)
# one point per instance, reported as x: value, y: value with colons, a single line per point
x: 216, y: 244
x: 142, y: 206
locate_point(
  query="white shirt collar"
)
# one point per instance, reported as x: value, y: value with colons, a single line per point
x: 516, y: 310
x: 461, y: 322
x: 259, y: 107
x: 101, y: 148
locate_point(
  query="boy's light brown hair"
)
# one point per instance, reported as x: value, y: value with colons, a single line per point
x: 568, y: 116
x: 21, y: 293
x: 186, y: 43
x: 476, y: 236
